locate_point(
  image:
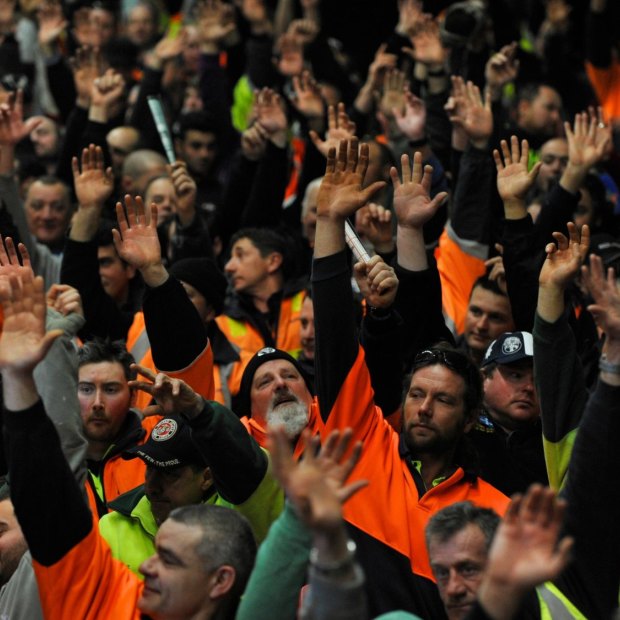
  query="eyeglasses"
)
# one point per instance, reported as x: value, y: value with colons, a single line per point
x: 454, y: 361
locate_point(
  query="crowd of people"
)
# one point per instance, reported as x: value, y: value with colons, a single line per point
x: 338, y: 338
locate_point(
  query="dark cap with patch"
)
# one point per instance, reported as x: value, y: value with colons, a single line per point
x: 243, y: 406
x: 169, y: 445
x: 510, y: 347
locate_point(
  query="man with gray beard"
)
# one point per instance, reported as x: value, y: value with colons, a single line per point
x: 275, y: 389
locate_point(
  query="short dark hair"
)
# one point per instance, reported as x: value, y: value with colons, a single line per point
x: 99, y: 350
x: 227, y: 538
x: 266, y: 241
x: 455, y: 360
x: 449, y: 521
x: 488, y: 285
x: 195, y: 121
x: 50, y: 179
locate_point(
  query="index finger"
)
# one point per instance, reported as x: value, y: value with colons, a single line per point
x: 144, y: 371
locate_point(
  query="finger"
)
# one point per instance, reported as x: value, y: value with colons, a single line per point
x: 341, y: 161
x: 505, y: 152
x: 498, y: 160
x: 348, y: 491
x: 405, y: 167
x: 353, y: 155
x: 395, y: 178
x: 144, y: 371
x: 416, y: 174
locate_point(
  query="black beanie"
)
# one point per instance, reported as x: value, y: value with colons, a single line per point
x: 204, y: 275
x: 243, y: 406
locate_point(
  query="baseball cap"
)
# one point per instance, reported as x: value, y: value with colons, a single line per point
x: 510, y: 347
x: 243, y: 404
x: 169, y: 445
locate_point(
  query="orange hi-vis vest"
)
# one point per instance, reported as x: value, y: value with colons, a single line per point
x: 119, y: 475
x: 460, y: 263
x: 249, y: 340
x: 198, y: 375
x: 390, y: 509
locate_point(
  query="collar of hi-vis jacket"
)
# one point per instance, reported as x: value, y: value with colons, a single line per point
x: 410, y: 459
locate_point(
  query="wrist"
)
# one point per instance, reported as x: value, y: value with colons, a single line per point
x: 514, y: 209
x: 154, y: 275
x: 481, y: 143
x: 384, y: 247
x: 573, y: 177
x: 279, y: 138
x: 98, y: 114
x: 209, y: 47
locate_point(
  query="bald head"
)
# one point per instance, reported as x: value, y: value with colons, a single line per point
x: 139, y: 168
x: 121, y: 142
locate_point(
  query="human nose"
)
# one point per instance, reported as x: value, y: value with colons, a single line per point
x: 98, y: 400
x: 455, y: 586
x: 426, y: 407
x: 147, y: 567
x: 483, y: 322
x: 229, y: 267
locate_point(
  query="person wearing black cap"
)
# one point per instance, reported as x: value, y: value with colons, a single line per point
x: 508, y: 433
x: 198, y: 453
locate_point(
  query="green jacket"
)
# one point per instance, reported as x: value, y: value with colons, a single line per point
x: 242, y: 480
x: 130, y: 529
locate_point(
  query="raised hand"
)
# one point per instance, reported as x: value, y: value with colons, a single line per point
x: 564, y: 259
x: 254, y: 142
x: 381, y: 63
x: 409, y: 16
x: 184, y: 186
x: 14, y: 262
x: 604, y: 292
x: 587, y: 141
x: 412, y: 201
x: 307, y: 98
x: 136, y: 239
x: 13, y: 128
x: 377, y: 282
x: 64, y: 299
x: 52, y: 22
x: 525, y: 551
x: 472, y: 113
x: 427, y: 47
x: 269, y: 111
x: 172, y: 395
x: 106, y: 95
x: 316, y: 484
x: 24, y: 342
x: 170, y: 47
x: 303, y: 30
x: 412, y: 122
x: 94, y: 184
x: 216, y: 21
x: 341, y: 193
x: 394, y: 88
x: 501, y: 68
x: 513, y: 178
x: 291, y: 58
x: 339, y: 128
x: 375, y: 223
x: 88, y: 64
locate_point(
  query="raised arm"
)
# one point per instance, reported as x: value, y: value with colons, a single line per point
x: 557, y: 369
x: 176, y: 333
x: 520, y: 257
x: 316, y: 488
x: 419, y: 298
x: 340, y: 195
x: 593, y: 512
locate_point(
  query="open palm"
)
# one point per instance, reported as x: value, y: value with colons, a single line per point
x: 136, y: 239
x: 412, y: 201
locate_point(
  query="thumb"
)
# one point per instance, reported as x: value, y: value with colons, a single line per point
x: 371, y: 190
x: 49, y: 339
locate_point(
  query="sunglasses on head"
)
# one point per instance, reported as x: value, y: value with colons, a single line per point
x: 452, y: 360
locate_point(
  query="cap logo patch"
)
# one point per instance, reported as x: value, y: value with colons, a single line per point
x: 511, y: 345
x: 266, y: 351
x: 165, y: 429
